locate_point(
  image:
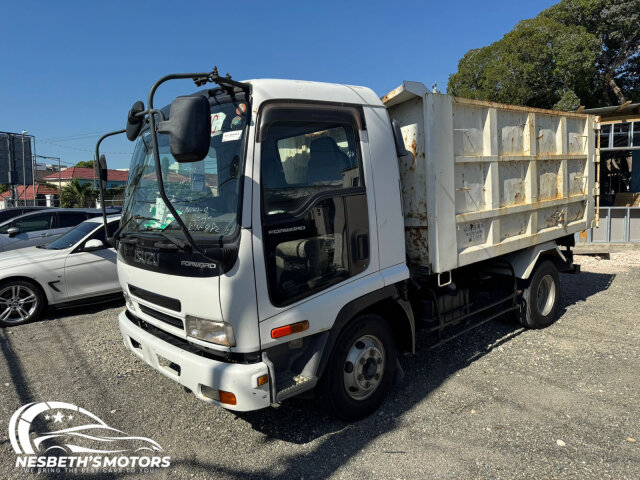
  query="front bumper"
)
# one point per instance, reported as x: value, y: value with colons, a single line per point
x: 194, y: 371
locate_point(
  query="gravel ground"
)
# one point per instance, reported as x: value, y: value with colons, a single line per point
x: 499, y: 402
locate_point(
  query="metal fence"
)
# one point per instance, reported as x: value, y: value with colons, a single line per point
x: 617, y: 225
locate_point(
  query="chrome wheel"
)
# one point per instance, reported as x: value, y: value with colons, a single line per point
x: 17, y: 304
x: 546, y: 295
x: 364, y: 367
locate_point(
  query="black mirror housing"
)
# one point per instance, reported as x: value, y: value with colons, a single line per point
x: 102, y: 170
x: 189, y: 128
x: 134, y: 122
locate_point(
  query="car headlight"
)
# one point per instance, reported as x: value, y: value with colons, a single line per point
x: 213, y: 331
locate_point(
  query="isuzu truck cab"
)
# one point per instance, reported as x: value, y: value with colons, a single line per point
x: 281, y: 237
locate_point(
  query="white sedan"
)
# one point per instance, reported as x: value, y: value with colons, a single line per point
x: 75, y: 268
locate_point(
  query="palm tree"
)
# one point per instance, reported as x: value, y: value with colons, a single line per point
x: 74, y: 194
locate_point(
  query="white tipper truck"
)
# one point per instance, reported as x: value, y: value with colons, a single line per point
x: 281, y: 237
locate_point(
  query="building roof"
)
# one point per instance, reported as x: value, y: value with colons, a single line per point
x: 87, y: 174
x: 623, y: 109
x: 40, y: 190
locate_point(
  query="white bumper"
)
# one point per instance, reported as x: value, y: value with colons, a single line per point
x: 196, y: 371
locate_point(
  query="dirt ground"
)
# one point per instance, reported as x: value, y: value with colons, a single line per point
x: 499, y: 402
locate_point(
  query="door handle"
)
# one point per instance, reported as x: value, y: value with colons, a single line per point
x: 362, y: 247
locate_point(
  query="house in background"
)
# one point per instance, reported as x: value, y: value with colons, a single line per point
x: 115, y: 178
x: 42, y: 192
x: 619, y: 194
x: 42, y: 170
x: 619, y: 154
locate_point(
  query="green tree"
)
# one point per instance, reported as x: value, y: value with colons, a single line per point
x: 616, y: 25
x: 576, y: 52
x: 85, y: 164
x: 75, y: 194
x: 3, y: 188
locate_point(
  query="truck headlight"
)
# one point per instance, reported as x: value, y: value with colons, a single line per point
x: 130, y: 305
x: 213, y: 331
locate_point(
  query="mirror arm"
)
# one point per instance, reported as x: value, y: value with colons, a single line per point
x: 213, y: 77
x: 97, y: 173
x: 154, y: 111
x: 156, y: 153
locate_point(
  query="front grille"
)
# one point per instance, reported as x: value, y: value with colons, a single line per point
x: 160, y: 300
x: 163, y: 317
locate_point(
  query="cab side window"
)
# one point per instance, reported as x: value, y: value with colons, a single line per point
x: 297, y: 166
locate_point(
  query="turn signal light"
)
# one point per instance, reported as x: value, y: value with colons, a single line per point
x: 263, y: 380
x: 290, y: 329
x: 227, y: 397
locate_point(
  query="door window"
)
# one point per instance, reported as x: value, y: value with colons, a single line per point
x: 33, y: 223
x: 296, y: 167
x: 70, y: 219
x: 111, y: 229
x: 314, y: 206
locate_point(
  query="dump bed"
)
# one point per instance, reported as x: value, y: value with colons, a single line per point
x: 485, y: 179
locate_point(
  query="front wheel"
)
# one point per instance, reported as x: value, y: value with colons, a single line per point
x: 360, y: 370
x: 541, y: 297
x: 20, y: 302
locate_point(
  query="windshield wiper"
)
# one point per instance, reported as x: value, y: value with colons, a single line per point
x: 175, y: 241
x: 116, y: 234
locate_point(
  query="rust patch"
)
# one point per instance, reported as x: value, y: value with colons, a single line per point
x: 417, y: 243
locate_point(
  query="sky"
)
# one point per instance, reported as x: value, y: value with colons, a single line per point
x: 70, y: 70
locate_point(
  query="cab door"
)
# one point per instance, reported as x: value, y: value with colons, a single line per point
x: 314, y: 213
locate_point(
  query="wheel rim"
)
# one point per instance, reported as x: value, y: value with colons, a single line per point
x: 17, y: 304
x: 364, y: 367
x: 546, y: 295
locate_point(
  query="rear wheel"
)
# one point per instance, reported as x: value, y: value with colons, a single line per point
x: 20, y: 301
x: 541, y: 297
x: 360, y: 370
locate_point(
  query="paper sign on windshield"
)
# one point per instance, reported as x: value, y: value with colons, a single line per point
x: 232, y: 136
x: 217, y: 120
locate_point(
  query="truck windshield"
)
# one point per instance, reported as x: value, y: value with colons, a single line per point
x: 205, y: 194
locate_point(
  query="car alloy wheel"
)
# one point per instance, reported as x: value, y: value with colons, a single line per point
x: 18, y: 303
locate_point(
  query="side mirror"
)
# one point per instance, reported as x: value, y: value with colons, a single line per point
x: 13, y: 231
x: 189, y: 128
x: 134, y: 123
x: 401, y: 150
x: 102, y: 166
x: 93, y: 244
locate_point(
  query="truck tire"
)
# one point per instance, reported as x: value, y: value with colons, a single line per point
x: 20, y: 302
x: 360, y: 370
x: 540, y: 297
